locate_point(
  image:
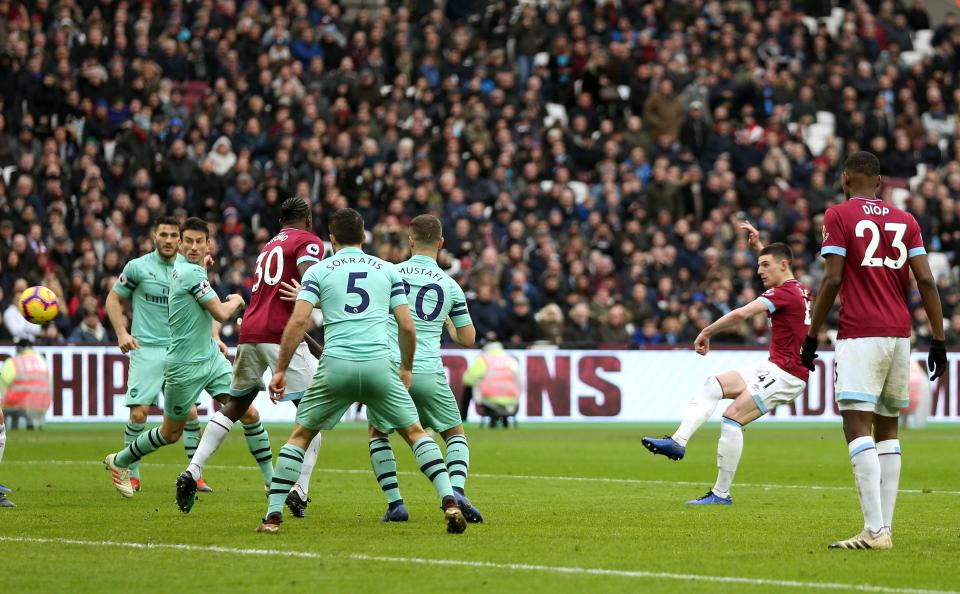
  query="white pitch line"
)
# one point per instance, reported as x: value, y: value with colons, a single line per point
x: 557, y: 569
x: 528, y: 477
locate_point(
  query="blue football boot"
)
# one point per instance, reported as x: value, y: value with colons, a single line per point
x: 665, y: 447
x: 396, y: 512
x: 711, y: 498
x: 471, y: 513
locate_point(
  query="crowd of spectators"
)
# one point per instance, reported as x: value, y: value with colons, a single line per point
x: 590, y: 159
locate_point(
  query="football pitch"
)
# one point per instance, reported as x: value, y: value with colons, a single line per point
x: 568, y: 508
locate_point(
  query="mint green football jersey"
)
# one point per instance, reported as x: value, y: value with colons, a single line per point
x: 191, y: 326
x: 357, y: 294
x: 433, y: 297
x: 147, y: 280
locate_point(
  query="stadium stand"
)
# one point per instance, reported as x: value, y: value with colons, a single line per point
x: 590, y: 160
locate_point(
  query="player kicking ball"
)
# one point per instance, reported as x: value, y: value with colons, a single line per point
x: 755, y: 389
x: 356, y: 293
x: 195, y: 361
x: 436, y: 300
x: 867, y: 245
x: 283, y: 259
x: 147, y: 280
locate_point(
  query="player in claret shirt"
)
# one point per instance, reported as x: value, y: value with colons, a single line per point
x: 285, y: 258
x: 755, y: 389
x: 866, y: 246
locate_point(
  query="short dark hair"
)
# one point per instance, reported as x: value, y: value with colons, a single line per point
x: 195, y: 224
x: 165, y: 220
x: 779, y: 251
x: 426, y: 229
x: 294, y: 209
x: 347, y: 225
x: 863, y: 163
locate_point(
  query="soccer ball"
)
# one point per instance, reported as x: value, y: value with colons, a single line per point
x: 39, y: 305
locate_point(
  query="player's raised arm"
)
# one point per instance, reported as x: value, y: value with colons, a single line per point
x: 753, y: 236
x: 930, y: 297
x: 729, y: 321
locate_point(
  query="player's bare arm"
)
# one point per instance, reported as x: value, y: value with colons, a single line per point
x: 292, y: 337
x: 829, y: 287
x: 114, y: 307
x: 407, y: 337
x: 224, y: 310
x: 728, y: 322
x: 753, y: 236
x: 465, y: 336
x: 930, y: 297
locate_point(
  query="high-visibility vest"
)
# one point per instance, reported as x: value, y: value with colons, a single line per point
x: 499, y: 383
x: 30, y: 389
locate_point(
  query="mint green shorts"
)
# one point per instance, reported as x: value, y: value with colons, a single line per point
x: 436, y: 406
x: 184, y: 382
x: 145, y: 376
x: 339, y: 383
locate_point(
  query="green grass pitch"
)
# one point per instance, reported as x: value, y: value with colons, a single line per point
x: 569, y: 508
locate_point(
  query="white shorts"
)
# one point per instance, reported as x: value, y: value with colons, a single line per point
x: 872, y: 374
x: 770, y: 385
x: 253, y: 360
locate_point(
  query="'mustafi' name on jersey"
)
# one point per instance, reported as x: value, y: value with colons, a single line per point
x: 357, y: 294
x: 191, y: 325
x: 147, y: 280
x: 433, y: 297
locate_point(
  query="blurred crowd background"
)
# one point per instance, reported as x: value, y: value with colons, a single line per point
x: 590, y: 160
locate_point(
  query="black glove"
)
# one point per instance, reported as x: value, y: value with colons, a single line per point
x: 937, y: 359
x: 808, y: 353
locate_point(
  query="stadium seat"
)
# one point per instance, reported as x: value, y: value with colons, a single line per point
x: 939, y: 264
x: 922, y: 42
x: 910, y: 58
x: 556, y: 113
x: 899, y: 197
x: 816, y: 135
x: 827, y: 118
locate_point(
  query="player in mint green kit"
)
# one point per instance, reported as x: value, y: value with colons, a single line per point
x: 194, y: 362
x: 357, y: 294
x: 436, y: 300
x: 146, y: 280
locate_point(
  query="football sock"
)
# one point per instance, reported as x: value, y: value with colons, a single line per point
x: 729, y: 449
x: 3, y: 440
x: 145, y: 443
x: 888, y: 452
x: 866, y: 473
x: 289, y: 461
x: 130, y: 433
x: 191, y: 437
x: 309, y: 460
x: 458, y: 461
x: 431, y: 464
x: 699, y: 410
x: 217, y: 430
x: 259, y: 444
x: 385, y: 468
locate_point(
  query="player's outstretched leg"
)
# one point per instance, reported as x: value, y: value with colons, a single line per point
x: 136, y: 424
x: 258, y: 442
x: 433, y: 467
x: 148, y: 442
x: 298, y: 498
x: 289, y: 465
x: 384, y: 465
x: 458, y: 465
x: 191, y: 440
x: 698, y: 411
x: 4, y: 502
